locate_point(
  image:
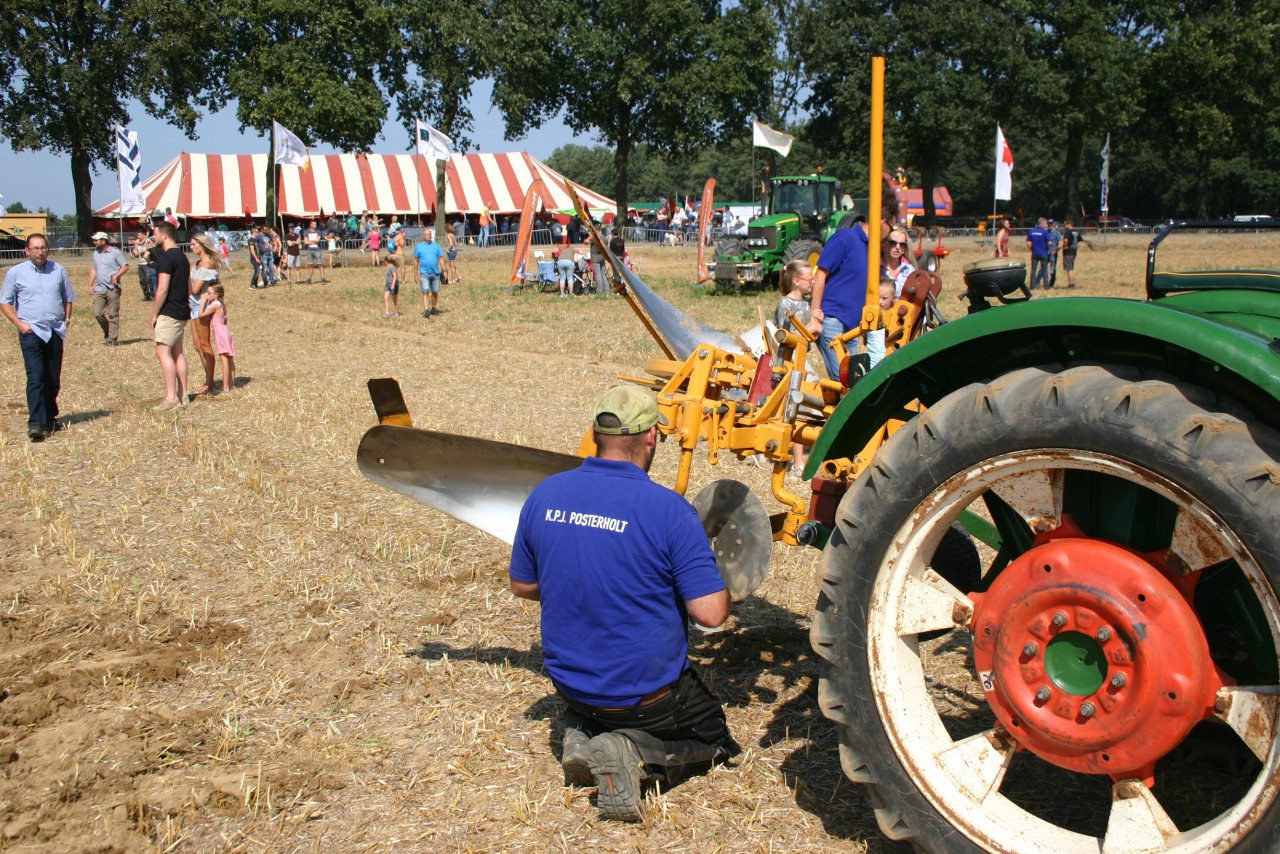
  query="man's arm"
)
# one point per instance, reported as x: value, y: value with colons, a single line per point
x: 528, y: 590
x: 710, y: 610
x: 815, y: 298
x: 12, y: 315
x: 162, y: 292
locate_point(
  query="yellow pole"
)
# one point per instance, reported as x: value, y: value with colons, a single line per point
x: 876, y: 185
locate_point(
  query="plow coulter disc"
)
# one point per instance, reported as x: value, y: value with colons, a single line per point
x: 738, y: 528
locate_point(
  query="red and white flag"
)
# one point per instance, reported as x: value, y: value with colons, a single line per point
x: 1004, y: 166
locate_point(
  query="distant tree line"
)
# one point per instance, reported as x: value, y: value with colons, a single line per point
x: 1185, y: 88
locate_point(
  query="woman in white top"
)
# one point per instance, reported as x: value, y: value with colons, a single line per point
x: 896, y: 265
x: 203, y: 274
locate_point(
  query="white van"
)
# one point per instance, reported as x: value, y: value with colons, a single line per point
x: 1252, y: 218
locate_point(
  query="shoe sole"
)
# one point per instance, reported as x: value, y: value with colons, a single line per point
x: 615, y: 764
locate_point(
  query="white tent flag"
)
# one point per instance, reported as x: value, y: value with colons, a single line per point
x: 290, y: 149
x: 432, y: 143
x: 1004, y: 167
x: 764, y: 136
x: 129, y: 170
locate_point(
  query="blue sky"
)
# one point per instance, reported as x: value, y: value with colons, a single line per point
x: 43, y: 179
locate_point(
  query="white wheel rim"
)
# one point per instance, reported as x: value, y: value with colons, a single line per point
x: 961, y: 778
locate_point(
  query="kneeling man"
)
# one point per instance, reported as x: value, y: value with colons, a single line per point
x: 619, y: 565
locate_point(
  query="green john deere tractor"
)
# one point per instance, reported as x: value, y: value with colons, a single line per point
x: 803, y: 212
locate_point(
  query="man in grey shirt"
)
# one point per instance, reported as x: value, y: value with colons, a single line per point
x: 36, y: 297
x: 109, y: 265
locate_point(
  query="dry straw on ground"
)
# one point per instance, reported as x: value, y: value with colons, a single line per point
x: 218, y: 636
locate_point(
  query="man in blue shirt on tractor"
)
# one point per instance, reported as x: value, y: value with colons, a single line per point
x: 620, y: 564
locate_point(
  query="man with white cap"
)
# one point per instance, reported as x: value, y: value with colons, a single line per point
x: 108, y: 269
x: 620, y: 564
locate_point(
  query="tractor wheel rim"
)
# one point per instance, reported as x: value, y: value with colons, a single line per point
x: 961, y: 775
x: 1097, y: 662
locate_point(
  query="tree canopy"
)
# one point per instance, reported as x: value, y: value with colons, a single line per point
x: 1184, y: 88
x: 71, y: 68
x: 674, y: 82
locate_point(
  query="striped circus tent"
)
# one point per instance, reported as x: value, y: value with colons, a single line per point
x: 232, y: 186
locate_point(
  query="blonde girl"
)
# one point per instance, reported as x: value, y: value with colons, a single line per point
x: 215, y: 308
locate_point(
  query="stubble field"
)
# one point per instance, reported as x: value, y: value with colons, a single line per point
x: 216, y: 635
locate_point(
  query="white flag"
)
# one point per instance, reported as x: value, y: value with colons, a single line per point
x: 432, y: 143
x: 129, y: 169
x: 1004, y: 167
x: 764, y: 136
x: 290, y: 150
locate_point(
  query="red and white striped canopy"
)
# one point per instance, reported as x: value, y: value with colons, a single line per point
x: 231, y: 186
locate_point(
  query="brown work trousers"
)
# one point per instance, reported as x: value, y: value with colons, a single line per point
x: 106, y: 308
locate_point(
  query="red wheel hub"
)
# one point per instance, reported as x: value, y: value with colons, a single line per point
x: 1091, y: 658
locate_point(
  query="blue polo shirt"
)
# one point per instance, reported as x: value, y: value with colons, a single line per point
x: 428, y: 254
x: 845, y: 260
x: 39, y: 297
x: 615, y: 556
x: 1038, y: 240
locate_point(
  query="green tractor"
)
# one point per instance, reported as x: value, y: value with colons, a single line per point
x: 803, y: 212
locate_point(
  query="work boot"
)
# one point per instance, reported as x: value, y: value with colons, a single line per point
x: 617, y: 767
x: 576, y: 759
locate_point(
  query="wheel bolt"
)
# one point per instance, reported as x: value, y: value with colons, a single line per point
x: 1118, y: 680
x: 1059, y: 620
x: 1043, y: 695
x: 1030, y: 649
x: 1087, y: 710
x: 1104, y: 634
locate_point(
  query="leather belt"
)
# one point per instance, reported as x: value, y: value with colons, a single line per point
x: 647, y: 700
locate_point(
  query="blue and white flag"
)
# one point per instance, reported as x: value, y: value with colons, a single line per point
x: 1106, y: 174
x: 129, y: 168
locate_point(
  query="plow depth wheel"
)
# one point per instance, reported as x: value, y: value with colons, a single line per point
x: 1130, y: 619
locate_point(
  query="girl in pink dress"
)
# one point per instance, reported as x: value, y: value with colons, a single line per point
x: 222, y: 343
x: 375, y: 242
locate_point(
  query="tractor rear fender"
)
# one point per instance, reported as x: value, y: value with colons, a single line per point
x: 1221, y: 342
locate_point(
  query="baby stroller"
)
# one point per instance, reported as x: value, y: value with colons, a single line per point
x: 583, y: 277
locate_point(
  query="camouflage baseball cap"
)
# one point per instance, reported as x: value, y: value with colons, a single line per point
x: 635, y: 408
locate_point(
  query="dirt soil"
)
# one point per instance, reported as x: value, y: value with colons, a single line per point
x: 215, y: 634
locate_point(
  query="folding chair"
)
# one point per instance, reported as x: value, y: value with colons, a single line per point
x: 547, y: 278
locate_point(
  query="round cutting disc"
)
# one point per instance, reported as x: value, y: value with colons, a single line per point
x: 738, y: 528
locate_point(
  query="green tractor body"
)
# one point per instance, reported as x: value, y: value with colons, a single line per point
x: 803, y: 212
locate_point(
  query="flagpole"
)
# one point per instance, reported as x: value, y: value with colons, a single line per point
x: 119, y: 191
x: 995, y: 177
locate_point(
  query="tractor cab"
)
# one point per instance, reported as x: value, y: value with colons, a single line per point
x: 813, y: 198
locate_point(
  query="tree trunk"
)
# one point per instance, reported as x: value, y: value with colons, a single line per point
x: 1202, y: 184
x: 270, y: 209
x: 621, y: 156
x: 1075, y: 144
x: 927, y: 181
x: 82, y: 186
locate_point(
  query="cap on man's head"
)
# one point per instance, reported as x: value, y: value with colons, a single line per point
x: 635, y: 409
x: 100, y: 235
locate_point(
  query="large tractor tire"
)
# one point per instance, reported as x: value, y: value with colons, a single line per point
x: 806, y: 250
x: 729, y: 247
x: 1113, y: 687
